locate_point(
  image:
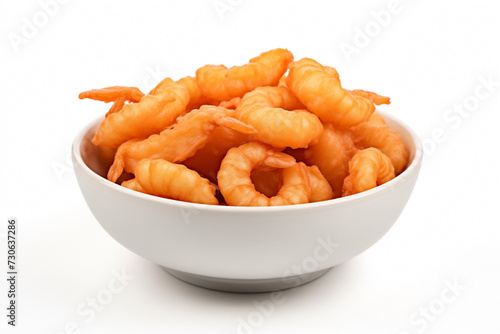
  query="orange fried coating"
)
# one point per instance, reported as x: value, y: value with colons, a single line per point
x: 332, y: 154
x: 116, y: 94
x: 217, y: 82
x: 177, y: 143
x: 385, y: 139
x: 152, y: 114
x: 270, y: 132
x: 165, y: 179
x: 235, y: 181
x: 319, y: 89
x: 279, y: 117
x: 367, y: 169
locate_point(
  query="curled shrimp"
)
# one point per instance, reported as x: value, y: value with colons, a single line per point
x: 235, y: 181
x: 206, y: 161
x: 267, y: 110
x: 152, y: 114
x: 178, y: 142
x: 385, y: 139
x: 331, y: 154
x: 374, y: 97
x: 165, y: 179
x: 367, y: 169
x: 116, y: 94
x: 319, y: 89
x: 220, y: 83
x: 269, y: 182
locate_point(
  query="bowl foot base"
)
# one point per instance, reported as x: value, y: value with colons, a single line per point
x: 246, y: 285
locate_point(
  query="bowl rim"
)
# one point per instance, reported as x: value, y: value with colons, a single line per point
x: 412, y: 168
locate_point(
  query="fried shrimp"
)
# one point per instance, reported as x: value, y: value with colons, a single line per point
x: 220, y: 83
x: 374, y: 97
x: 116, y: 94
x: 332, y: 154
x: 236, y: 185
x: 196, y: 98
x: 385, y: 139
x: 320, y: 91
x: 206, y: 161
x: 152, y: 114
x: 267, y: 109
x: 320, y: 188
x: 367, y: 169
x: 269, y: 182
x: 178, y: 142
x: 165, y: 179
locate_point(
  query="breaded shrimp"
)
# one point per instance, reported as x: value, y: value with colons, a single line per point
x: 152, y: 114
x: 320, y: 188
x: 269, y: 182
x: 331, y: 154
x: 367, y: 169
x: 320, y: 91
x: 206, y: 161
x: 267, y: 109
x: 116, y: 94
x: 220, y: 83
x: 165, y: 179
x: 178, y: 142
x: 385, y: 139
x: 236, y: 185
x: 196, y: 98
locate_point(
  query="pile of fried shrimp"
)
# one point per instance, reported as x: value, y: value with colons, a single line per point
x: 271, y: 132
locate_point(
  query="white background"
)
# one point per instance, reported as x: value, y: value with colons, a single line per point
x: 428, y: 56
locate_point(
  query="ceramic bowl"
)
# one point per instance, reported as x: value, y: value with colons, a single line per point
x: 243, y: 249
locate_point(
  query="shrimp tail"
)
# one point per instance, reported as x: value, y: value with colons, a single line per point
x: 236, y: 125
x: 116, y: 168
x: 117, y: 105
x: 279, y: 160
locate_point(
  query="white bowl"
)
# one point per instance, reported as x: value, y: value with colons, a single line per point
x: 243, y: 249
